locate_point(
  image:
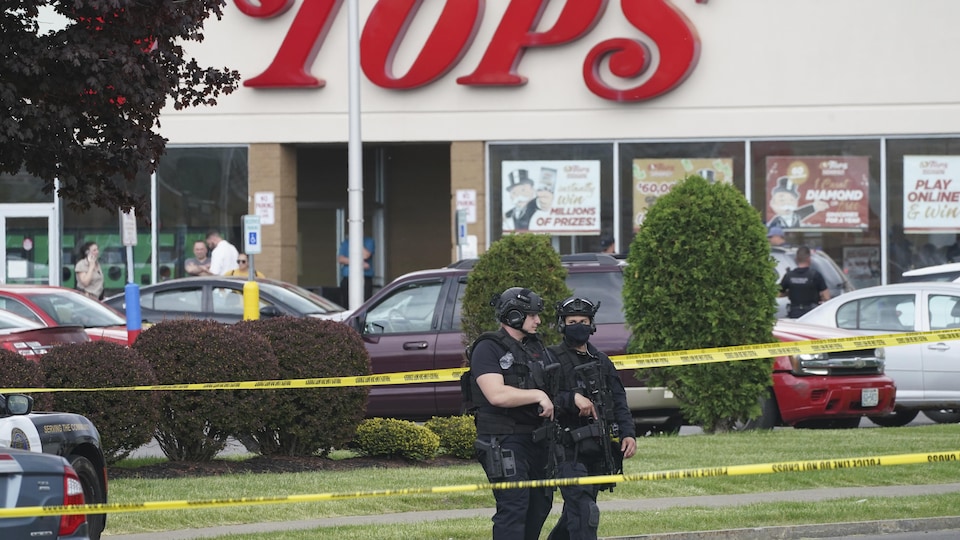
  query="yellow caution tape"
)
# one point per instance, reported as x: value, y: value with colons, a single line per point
x: 702, y: 472
x: 629, y: 361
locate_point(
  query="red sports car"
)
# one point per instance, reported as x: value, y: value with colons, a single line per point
x: 58, y: 306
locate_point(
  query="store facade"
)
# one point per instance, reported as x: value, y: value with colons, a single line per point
x: 837, y: 120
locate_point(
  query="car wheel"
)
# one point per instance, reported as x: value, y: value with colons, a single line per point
x: 944, y: 416
x: 768, y: 419
x: 898, y: 418
x: 93, y: 492
x: 670, y: 427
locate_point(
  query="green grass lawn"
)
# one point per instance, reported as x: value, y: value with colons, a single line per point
x: 654, y: 454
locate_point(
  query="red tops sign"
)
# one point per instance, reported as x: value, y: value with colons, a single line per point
x: 454, y: 32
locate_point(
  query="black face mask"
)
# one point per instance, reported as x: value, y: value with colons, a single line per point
x: 577, y: 334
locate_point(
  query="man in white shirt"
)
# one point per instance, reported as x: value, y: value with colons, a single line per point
x: 223, y: 256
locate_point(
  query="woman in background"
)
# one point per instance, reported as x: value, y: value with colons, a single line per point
x: 88, y: 272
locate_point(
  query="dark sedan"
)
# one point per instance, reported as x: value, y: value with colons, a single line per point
x: 221, y: 299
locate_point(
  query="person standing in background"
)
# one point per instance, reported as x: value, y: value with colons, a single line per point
x: 223, y: 257
x: 343, y: 257
x: 607, y: 244
x: 805, y: 287
x: 775, y: 236
x: 243, y: 270
x: 88, y: 271
x: 199, y: 264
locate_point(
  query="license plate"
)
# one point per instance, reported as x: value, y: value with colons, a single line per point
x: 869, y: 397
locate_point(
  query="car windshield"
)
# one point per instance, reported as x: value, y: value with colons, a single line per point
x: 300, y: 299
x: 72, y: 308
x: 603, y: 287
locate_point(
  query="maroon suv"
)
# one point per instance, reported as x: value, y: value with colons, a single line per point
x: 413, y: 324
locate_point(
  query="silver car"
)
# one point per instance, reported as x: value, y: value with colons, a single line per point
x: 927, y: 374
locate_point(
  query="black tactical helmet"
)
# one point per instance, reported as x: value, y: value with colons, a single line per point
x: 514, y: 304
x: 575, y: 305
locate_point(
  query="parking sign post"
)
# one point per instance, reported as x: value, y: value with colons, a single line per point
x: 131, y: 291
x: 251, y: 246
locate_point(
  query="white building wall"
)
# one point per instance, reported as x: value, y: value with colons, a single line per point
x: 777, y: 68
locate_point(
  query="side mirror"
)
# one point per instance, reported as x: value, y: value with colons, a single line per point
x: 268, y: 312
x: 19, y: 404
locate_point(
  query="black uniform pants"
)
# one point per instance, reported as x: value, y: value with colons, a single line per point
x: 521, y: 512
x: 581, y: 515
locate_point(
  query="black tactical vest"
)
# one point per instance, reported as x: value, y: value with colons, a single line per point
x: 526, y: 371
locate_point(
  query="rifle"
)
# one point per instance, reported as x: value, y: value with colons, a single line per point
x: 550, y: 430
x: 604, y: 426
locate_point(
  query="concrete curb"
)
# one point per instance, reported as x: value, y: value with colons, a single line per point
x: 759, y: 533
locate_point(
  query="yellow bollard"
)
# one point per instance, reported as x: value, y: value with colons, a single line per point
x: 251, y: 301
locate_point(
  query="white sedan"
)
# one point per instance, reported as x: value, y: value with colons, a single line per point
x: 927, y: 375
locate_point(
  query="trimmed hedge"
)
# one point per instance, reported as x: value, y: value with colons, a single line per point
x: 195, y: 425
x: 16, y: 371
x: 518, y: 260
x: 125, y: 419
x: 457, y: 434
x: 308, y: 421
x: 396, y: 438
x: 700, y: 275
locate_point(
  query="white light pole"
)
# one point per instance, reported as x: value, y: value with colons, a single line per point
x: 355, y: 160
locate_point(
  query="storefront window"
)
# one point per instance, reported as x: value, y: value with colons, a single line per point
x: 102, y: 226
x: 923, y: 204
x: 564, y: 190
x: 199, y: 189
x: 650, y: 170
x: 826, y: 195
x: 22, y: 188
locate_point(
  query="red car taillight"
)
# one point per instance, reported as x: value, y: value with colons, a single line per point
x: 72, y: 494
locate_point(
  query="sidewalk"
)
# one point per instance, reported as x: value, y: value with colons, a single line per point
x: 763, y: 533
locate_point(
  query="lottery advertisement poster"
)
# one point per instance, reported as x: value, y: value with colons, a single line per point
x: 654, y: 178
x: 555, y: 197
x: 818, y: 192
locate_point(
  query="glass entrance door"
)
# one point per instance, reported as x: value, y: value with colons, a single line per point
x: 31, y: 250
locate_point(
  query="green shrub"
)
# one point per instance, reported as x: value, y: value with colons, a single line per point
x: 457, y: 434
x: 125, y: 419
x: 307, y: 421
x: 194, y: 425
x: 700, y: 275
x: 519, y: 260
x: 396, y: 438
x: 16, y: 371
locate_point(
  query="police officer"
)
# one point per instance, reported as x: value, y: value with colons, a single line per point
x: 805, y: 286
x: 588, y: 372
x: 509, y: 389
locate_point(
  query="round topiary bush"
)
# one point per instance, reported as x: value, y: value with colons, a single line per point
x: 125, y: 419
x: 396, y: 438
x: 700, y: 275
x: 194, y: 425
x: 308, y: 421
x: 19, y: 372
x: 518, y: 260
x: 457, y: 434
